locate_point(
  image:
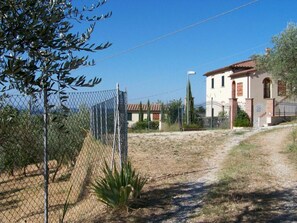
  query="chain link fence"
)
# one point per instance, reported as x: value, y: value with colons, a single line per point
x: 286, y: 108
x: 215, y: 115
x: 93, y: 132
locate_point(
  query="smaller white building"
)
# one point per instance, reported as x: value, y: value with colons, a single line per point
x: 133, y: 113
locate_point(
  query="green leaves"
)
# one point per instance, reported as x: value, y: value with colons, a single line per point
x: 281, y: 59
x: 117, y: 188
x: 41, y: 34
x: 242, y: 119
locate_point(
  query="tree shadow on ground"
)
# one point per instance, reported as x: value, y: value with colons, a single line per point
x: 270, y: 206
x: 180, y: 202
x: 8, y: 199
x: 253, y: 205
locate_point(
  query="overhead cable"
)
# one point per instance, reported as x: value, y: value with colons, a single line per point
x: 178, y: 31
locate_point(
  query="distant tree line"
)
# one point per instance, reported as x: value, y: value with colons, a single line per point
x: 171, y: 113
x: 22, y: 142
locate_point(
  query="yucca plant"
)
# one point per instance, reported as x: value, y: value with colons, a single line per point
x: 117, y: 188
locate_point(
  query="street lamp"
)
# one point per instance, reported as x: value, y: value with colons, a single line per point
x: 188, y: 95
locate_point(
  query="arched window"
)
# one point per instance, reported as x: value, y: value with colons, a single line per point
x: 267, y: 88
x: 233, y: 89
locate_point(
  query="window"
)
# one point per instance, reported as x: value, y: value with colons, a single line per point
x: 281, y: 88
x: 212, y: 82
x: 156, y: 116
x: 129, y: 116
x: 266, y: 87
x: 233, y: 89
x: 223, y: 81
x: 240, y: 89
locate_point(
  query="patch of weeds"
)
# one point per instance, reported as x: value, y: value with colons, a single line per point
x: 242, y: 150
x: 226, y: 199
x: 292, y: 146
x: 239, y: 133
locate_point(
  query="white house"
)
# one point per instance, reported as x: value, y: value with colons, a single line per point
x: 253, y: 91
x: 133, y: 113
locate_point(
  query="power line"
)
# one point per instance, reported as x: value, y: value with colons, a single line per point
x: 159, y: 94
x: 233, y: 55
x: 178, y: 31
x: 218, y: 59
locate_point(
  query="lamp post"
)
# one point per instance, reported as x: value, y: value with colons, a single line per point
x: 188, y: 95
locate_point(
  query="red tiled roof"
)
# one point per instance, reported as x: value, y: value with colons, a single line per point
x: 135, y: 107
x: 247, y: 64
x: 243, y: 72
x: 241, y: 64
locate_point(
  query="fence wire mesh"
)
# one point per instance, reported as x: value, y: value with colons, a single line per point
x: 78, y: 146
x: 286, y: 109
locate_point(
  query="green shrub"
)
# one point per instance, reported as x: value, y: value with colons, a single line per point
x: 192, y: 126
x: 139, y: 125
x: 21, y: 139
x: 117, y: 188
x: 242, y: 119
x: 154, y: 125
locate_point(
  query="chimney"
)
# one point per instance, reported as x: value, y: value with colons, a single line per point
x: 267, y: 51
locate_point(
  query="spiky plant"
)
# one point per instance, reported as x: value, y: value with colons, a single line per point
x: 117, y: 188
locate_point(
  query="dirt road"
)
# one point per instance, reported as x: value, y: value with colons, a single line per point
x: 283, y: 172
x: 266, y: 195
x: 183, y: 167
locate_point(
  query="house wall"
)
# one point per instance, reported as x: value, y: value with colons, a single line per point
x: 219, y: 93
x: 257, y: 93
x: 135, y: 117
x: 242, y: 94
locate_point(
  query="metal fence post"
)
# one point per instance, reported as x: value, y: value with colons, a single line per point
x: 45, y: 152
x: 126, y: 127
x: 91, y: 121
x: 114, y: 133
x: 212, y: 113
x: 119, y: 125
x: 97, y: 121
x: 106, y: 122
x: 101, y: 127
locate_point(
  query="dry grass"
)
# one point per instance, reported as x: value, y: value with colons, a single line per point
x: 165, y: 155
x: 169, y: 160
x: 291, y: 147
x: 21, y: 197
x: 244, y: 192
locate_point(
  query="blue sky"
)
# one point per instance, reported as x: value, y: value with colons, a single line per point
x: 158, y: 71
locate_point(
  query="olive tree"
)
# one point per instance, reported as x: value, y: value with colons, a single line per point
x: 39, y: 48
x: 281, y: 59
